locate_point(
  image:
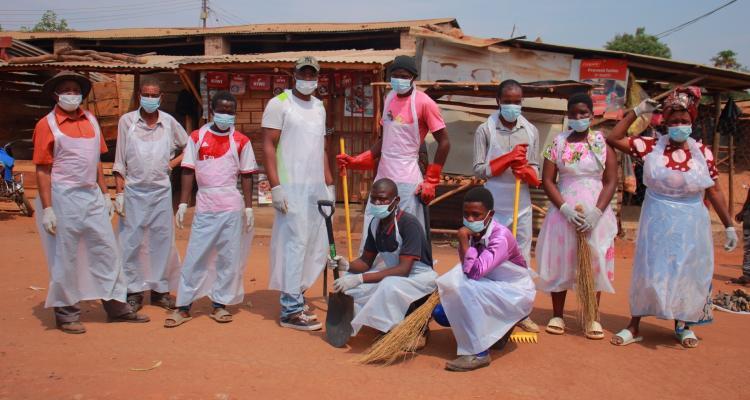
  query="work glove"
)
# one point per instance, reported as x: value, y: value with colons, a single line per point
x: 120, y: 204
x: 249, y: 219
x: 591, y: 218
x: 347, y: 282
x: 571, y: 215
x: 527, y: 173
x: 180, y: 216
x: 647, y: 106
x: 331, y: 193
x: 109, y: 207
x: 279, y: 199
x: 502, y: 163
x: 362, y: 162
x: 426, y: 189
x: 49, y: 221
x: 731, y: 238
x: 338, y: 262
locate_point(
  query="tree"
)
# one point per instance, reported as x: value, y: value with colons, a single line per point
x: 726, y: 59
x: 48, y: 23
x: 640, y: 43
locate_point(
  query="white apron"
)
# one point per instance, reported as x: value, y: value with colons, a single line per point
x: 399, y: 161
x: 146, y: 233
x: 674, y: 260
x: 218, y: 247
x: 503, y: 189
x: 384, y: 304
x: 298, y: 241
x: 82, y: 257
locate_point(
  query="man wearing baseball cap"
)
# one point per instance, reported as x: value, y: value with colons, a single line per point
x: 294, y: 126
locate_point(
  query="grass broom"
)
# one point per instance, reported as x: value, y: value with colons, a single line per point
x: 585, y: 290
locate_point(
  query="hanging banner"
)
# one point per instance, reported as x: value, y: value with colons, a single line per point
x: 260, y: 82
x: 324, y: 85
x: 217, y: 80
x: 237, y: 84
x: 610, y: 80
x: 280, y: 83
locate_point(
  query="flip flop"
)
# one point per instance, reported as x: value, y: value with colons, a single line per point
x: 595, y: 331
x: 627, y: 338
x: 177, y: 320
x: 221, y: 315
x: 684, y: 335
x: 555, y: 326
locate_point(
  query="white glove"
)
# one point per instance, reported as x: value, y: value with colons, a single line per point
x: 591, y: 218
x: 646, y: 107
x: 338, y: 262
x: 249, y: 219
x: 731, y: 241
x: 108, y: 206
x: 278, y: 196
x: 180, y: 216
x: 348, y: 282
x: 120, y: 204
x: 573, y: 216
x: 332, y: 193
x: 49, y: 221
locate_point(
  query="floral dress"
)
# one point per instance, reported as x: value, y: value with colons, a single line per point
x: 580, y: 168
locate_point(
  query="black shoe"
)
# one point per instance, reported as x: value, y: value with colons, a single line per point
x: 135, y: 300
x: 299, y: 322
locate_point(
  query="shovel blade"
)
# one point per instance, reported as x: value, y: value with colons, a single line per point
x: 339, y: 319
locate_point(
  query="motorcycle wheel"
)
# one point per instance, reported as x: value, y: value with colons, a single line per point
x: 24, y: 205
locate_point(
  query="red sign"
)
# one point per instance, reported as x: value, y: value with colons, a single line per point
x: 604, y: 69
x: 237, y: 84
x: 280, y: 83
x: 346, y: 80
x: 324, y: 86
x: 217, y: 80
x: 260, y: 82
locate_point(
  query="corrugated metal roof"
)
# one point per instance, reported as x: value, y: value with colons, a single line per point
x: 20, y: 48
x: 153, y: 63
x: 254, y: 29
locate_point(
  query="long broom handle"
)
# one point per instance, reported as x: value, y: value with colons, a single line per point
x: 516, y: 201
x: 345, y: 185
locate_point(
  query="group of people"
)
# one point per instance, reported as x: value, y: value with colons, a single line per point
x: 488, y: 293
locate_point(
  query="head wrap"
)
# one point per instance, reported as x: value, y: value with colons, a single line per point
x: 683, y: 99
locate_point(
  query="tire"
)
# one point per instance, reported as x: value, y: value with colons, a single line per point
x: 25, y: 206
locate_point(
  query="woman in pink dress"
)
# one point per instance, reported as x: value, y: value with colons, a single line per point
x: 580, y: 172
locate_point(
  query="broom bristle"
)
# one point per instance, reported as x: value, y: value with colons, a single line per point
x: 585, y: 290
x: 404, y: 337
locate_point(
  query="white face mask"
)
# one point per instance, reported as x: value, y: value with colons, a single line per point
x: 69, y: 102
x: 306, y: 87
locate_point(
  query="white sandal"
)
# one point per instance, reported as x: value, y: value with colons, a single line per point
x: 555, y: 326
x: 627, y: 338
x: 595, y: 331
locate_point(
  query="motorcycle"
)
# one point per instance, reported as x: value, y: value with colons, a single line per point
x: 11, y: 185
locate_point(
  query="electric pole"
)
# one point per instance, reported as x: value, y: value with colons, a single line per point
x: 204, y: 12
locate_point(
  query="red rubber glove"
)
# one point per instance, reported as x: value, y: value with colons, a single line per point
x: 500, y: 164
x: 426, y: 189
x: 364, y: 161
x: 528, y: 175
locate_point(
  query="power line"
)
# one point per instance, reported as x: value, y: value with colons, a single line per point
x: 228, y: 16
x: 692, y: 21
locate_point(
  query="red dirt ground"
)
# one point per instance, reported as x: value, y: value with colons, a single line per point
x: 254, y: 358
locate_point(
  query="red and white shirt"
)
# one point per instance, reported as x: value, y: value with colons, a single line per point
x: 216, y: 145
x: 677, y: 158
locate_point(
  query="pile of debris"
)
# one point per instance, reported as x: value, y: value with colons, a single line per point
x: 737, y: 301
x: 70, y: 54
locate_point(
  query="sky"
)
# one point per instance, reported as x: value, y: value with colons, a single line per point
x: 572, y: 22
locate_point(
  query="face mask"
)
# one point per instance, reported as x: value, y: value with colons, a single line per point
x: 69, y: 102
x: 401, y: 85
x: 223, y: 121
x: 680, y: 133
x: 475, y: 226
x: 306, y: 87
x: 579, y: 125
x: 510, y: 112
x: 380, y: 211
x: 150, y: 104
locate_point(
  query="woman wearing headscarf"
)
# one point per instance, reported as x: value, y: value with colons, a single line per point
x: 674, y: 258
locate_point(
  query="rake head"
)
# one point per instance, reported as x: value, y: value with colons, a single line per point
x: 524, y: 337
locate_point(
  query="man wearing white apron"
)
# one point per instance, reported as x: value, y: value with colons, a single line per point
x: 395, y: 269
x: 409, y: 114
x: 489, y: 291
x: 294, y: 128
x: 506, y: 148
x: 74, y: 224
x: 222, y: 228
x: 149, y: 145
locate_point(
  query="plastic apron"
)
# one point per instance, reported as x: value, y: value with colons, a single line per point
x: 503, y: 189
x: 384, y: 304
x: 674, y: 260
x: 82, y: 257
x: 399, y: 161
x: 298, y: 241
x: 146, y: 233
x: 219, y: 246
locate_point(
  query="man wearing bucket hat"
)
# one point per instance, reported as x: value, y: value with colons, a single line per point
x: 294, y: 126
x: 75, y: 227
x: 408, y: 115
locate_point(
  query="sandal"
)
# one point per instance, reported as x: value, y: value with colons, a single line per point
x: 595, y: 331
x: 742, y: 280
x: 555, y: 326
x: 221, y: 315
x: 131, y: 317
x: 176, y: 319
x: 74, y: 327
x: 684, y: 335
x: 626, y: 338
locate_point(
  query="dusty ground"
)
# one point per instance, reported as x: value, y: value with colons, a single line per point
x: 254, y: 358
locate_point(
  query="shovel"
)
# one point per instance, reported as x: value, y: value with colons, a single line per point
x: 340, y: 305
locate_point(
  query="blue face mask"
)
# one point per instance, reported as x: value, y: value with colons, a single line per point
x: 401, y: 85
x: 475, y: 226
x: 380, y: 211
x: 680, y: 133
x: 510, y: 112
x: 223, y: 121
x: 150, y: 104
x: 579, y: 125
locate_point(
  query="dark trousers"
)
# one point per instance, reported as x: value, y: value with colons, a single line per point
x: 113, y: 308
x: 746, y: 243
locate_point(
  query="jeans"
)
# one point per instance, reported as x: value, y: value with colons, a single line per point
x: 291, y: 304
x: 213, y: 304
